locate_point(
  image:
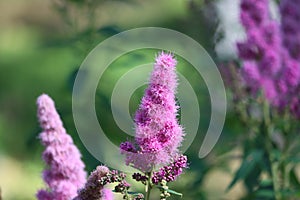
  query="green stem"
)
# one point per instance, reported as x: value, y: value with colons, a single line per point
x: 274, y: 165
x: 148, y: 192
x: 275, y: 178
x: 148, y: 186
x: 287, y: 170
x: 126, y: 196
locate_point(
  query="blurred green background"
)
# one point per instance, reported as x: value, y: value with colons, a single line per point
x: 42, y: 44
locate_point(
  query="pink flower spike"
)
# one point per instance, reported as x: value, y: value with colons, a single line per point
x: 65, y: 171
x: 157, y: 132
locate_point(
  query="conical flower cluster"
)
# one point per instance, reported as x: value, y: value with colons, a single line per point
x: 65, y: 173
x: 157, y: 132
x: 290, y: 78
x: 271, y: 52
x: 261, y: 51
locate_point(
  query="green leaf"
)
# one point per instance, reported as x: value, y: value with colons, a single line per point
x: 174, y: 192
x: 289, y: 193
x: 266, y: 183
x: 252, y: 179
x: 109, y: 30
x: 249, y: 163
x: 130, y: 192
x: 295, y: 160
x: 265, y: 194
x: 133, y: 193
x: 170, y: 191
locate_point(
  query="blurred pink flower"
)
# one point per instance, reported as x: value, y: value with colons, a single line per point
x: 261, y: 51
x: 107, y: 194
x: 65, y: 173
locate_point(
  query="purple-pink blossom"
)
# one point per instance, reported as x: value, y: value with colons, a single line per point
x: 290, y: 16
x: 157, y: 132
x: 170, y: 172
x: 65, y: 173
x: 251, y: 75
x: 271, y: 52
x: 261, y: 50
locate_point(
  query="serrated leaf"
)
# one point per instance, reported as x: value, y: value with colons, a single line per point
x: 246, y: 167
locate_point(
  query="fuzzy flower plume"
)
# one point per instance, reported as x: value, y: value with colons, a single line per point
x: 65, y: 172
x: 157, y: 132
x: 290, y: 76
x: 262, y: 48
